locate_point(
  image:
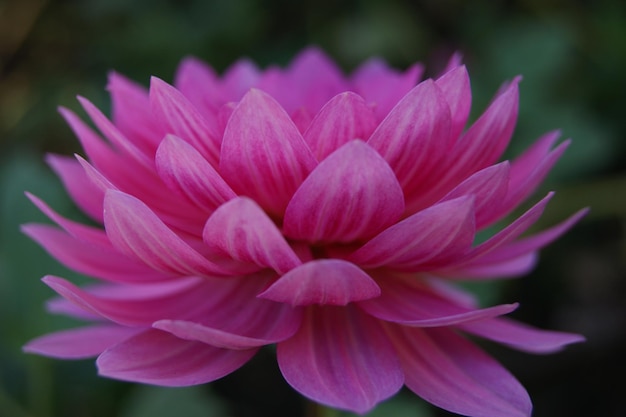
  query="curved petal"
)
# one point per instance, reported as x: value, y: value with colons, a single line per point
x: 115, y: 136
x: 521, y: 336
x: 383, y: 86
x: 411, y: 303
x: 241, y: 230
x: 455, y: 85
x: 186, y: 172
x: 344, y: 118
x: 79, y: 343
x: 352, y: 194
x: 263, y: 154
x: 488, y: 186
x: 342, y: 358
x: 199, y: 83
x: 435, y: 235
x: 323, y: 281
x: 178, y: 116
x: 136, y: 231
x: 130, y: 112
x: 91, y: 259
x: 451, y: 373
x: 476, y: 271
x: 415, y: 135
x: 239, y: 78
x: 79, y: 186
x: 159, y: 358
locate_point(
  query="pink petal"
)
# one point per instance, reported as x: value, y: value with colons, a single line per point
x: 344, y: 118
x: 241, y: 230
x: 509, y: 233
x: 89, y: 258
x: 351, y: 195
x: 79, y: 343
x: 178, y: 116
x: 415, y: 135
x: 263, y: 154
x: 483, y: 143
x: 521, y: 336
x: 113, y: 134
x: 410, y: 303
x: 435, y: 235
x: 159, y: 358
x: 488, y: 186
x: 323, y: 281
x: 384, y: 86
x: 340, y: 358
x: 451, y: 373
x: 199, y: 83
x: 130, y: 108
x: 136, y: 231
x: 238, y: 79
x: 80, y: 231
x: 455, y: 85
x: 488, y: 270
x: 79, y: 186
x: 186, y: 172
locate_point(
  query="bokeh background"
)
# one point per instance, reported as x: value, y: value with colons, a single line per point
x: 572, y: 55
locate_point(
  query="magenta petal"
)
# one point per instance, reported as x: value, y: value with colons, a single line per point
x: 130, y: 108
x: 79, y: 343
x: 521, y: 336
x: 263, y: 154
x: 200, y: 84
x: 443, y: 231
x: 159, y: 358
x: 455, y: 85
x: 352, y: 194
x: 84, y: 193
x: 178, y: 116
x: 413, y: 304
x: 89, y: 258
x: 185, y: 171
x: 344, y: 118
x: 416, y: 133
x: 487, y: 269
x: 342, y: 358
x: 323, y: 281
x: 115, y: 136
x: 241, y: 230
x: 488, y: 186
x: 136, y: 231
x: 450, y: 372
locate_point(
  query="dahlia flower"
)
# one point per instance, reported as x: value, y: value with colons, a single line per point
x: 328, y: 215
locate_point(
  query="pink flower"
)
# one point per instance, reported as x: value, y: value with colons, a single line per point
x: 328, y: 215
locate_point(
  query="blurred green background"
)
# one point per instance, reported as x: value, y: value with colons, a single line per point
x: 572, y: 55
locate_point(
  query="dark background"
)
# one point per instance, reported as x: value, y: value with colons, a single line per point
x: 572, y: 55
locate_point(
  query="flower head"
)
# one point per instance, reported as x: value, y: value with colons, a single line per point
x: 329, y: 215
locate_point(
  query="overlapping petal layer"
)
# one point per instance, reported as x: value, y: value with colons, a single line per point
x: 327, y: 214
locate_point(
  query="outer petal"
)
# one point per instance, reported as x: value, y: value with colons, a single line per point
x: 178, y: 116
x: 455, y: 85
x: 263, y: 154
x: 130, y: 108
x: 135, y: 230
x: 521, y: 336
x: 241, y: 230
x: 411, y: 303
x: 89, y: 258
x: 186, y: 172
x: 415, y: 135
x: 437, y: 234
x: 79, y: 343
x: 344, y: 118
x: 342, y: 358
x: 488, y: 186
x: 453, y: 374
x: 351, y: 195
x: 156, y: 357
x: 323, y: 281
x: 200, y: 84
